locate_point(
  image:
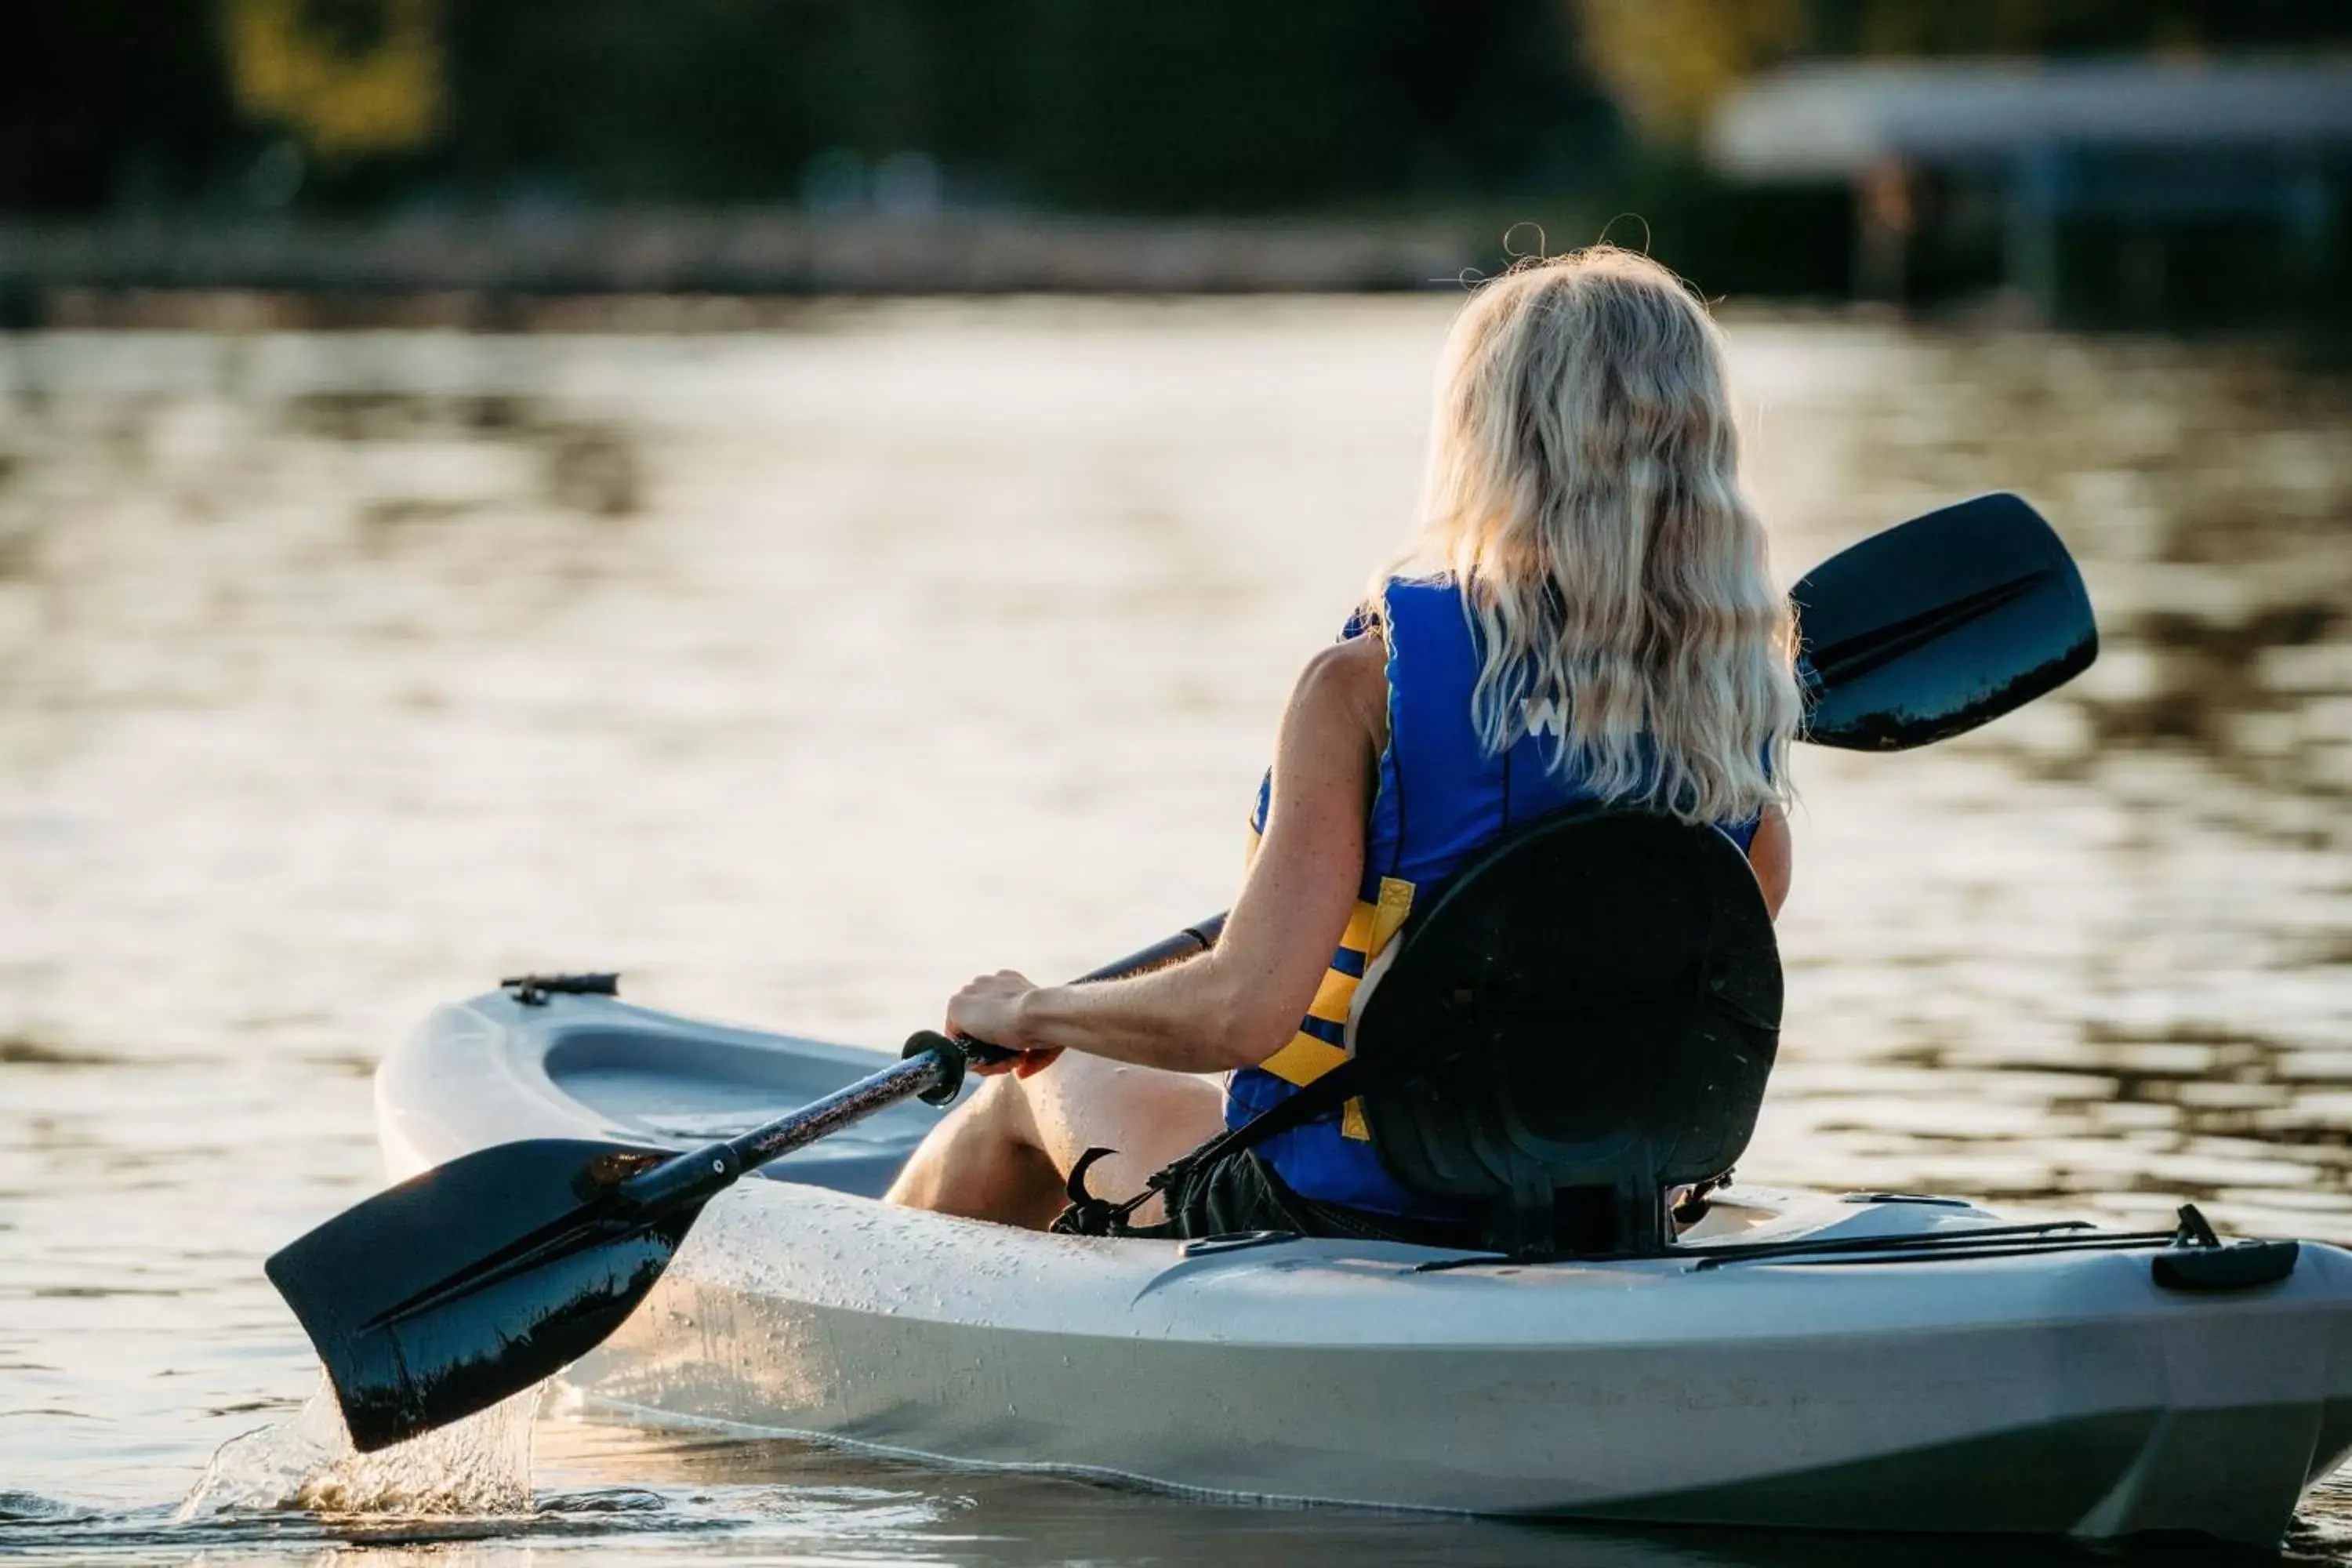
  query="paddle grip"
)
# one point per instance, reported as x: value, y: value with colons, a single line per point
x: 956, y: 1053
x: 951, y: 1054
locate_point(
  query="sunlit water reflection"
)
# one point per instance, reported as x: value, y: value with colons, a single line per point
x: 801, y: 673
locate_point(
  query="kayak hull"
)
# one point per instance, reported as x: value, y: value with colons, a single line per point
x: 2041, y: 1394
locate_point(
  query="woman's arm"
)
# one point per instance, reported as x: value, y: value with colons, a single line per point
x: 1240, y: 1002
x: 1770, y: 853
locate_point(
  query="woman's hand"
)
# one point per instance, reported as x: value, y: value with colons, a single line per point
x: 989, y: 1009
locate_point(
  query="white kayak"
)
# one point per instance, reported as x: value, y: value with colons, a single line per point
x: 2013, y: 1388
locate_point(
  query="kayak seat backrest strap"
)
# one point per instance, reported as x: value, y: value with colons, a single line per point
x: 1584, y: 1017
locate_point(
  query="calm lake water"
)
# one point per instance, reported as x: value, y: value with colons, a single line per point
x: 802, y: 672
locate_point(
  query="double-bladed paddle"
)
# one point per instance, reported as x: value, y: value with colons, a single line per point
x: 477, y: 1278
x: 1939, y: 625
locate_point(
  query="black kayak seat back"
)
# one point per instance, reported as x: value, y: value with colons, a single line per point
x: 1584, y: 1017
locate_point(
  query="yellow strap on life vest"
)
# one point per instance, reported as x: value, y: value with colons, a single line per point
x: 1332, y: 996
x: 1370, y: 928
x: 1388, y: 916
x: 1305, y: 1059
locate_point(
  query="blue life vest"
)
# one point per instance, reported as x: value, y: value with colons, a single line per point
x: 1442, y: 797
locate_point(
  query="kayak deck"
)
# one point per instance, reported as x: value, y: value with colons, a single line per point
x: 2040, y: 1393
x: 585, y: 1067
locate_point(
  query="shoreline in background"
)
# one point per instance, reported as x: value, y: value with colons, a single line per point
x: 238, y: 311
x: 730, y: 269
x: 719, y: 270
x: 465, y: 271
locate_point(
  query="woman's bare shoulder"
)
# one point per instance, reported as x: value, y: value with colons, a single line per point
x: 1349, y: 677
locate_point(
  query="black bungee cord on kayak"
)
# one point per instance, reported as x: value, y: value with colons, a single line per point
x: 2193, y: 1257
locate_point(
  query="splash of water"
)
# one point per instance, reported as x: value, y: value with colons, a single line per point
x: 481, y: 1466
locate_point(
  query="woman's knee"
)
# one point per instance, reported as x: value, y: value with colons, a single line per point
x: 1002, y: 1104
x: 1147, y: 1114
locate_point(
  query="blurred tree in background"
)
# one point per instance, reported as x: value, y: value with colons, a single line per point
x: 1668, y: 60
x: 349, y: 77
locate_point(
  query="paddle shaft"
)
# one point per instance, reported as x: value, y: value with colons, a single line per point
x: 935, y: 1070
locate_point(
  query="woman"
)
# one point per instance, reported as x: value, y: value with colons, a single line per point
x: 1588, y: 615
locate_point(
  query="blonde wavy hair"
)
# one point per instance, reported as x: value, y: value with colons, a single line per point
x: 1583, y: 488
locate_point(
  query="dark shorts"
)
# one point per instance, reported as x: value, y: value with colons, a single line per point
x: 1241, y: 1192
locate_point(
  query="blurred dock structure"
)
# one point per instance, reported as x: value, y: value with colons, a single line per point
x: 2039, y: 155
x: 739, y: 252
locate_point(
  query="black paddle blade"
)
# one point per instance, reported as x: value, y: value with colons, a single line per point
x: 474, y: 1280
x: 1939, y: 625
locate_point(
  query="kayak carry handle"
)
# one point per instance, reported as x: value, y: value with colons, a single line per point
x: 533, y: 990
